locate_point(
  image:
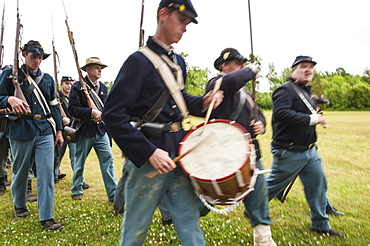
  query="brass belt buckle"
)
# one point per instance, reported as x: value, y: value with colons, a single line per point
x: 310, y: 146
x: 37, y: 117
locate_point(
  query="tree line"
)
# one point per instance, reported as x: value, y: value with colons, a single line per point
x: 343, y: 90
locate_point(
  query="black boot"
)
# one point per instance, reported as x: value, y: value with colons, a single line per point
x: 7, y: 183
x: 2, y: 186
x: 30, y: 196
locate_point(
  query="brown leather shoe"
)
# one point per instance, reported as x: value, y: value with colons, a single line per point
x: 77, y: 197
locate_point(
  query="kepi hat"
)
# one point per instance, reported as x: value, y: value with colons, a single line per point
x: 67, y: 78
x: 93, y: 60
x: 36, y: 48
x: 300, y: 59
x: 184, y: 6
x: 228, y: 54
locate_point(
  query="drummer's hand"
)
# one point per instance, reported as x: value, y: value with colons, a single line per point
x: 258, y: 127
x: 218, y: 97
x: 161, y: 161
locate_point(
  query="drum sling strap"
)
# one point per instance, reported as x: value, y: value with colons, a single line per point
x: 163, y: 65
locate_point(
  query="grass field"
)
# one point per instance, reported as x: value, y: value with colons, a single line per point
x: 344, y: 147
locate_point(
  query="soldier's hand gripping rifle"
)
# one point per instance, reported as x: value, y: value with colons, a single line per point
x: 93, y: 100
x: 17, y: 89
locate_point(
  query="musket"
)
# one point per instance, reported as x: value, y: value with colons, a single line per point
x: 85, y: 86
x: 1, y: 39
x: 141, y: 36
x: 255, y: 109
x: 55, y: 55
x: 17, y: 89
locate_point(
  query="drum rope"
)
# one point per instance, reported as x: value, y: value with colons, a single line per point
x: 220, y: 211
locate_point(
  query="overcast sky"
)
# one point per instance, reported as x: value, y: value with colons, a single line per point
x: 336, y: 33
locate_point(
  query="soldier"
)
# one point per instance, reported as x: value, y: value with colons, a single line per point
x: 294, y: 120
x: 92, y: 130
x: 137, y: 88
x: 66, y: 83
x: 238, y: 106
x: 31, y: 135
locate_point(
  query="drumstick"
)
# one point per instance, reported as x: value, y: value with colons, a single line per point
x: 210, y: 107
x: 154, y: 173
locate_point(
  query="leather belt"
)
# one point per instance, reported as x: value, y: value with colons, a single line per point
x: 292, y: 146
x: 166, y: 127
x: 34, y: 116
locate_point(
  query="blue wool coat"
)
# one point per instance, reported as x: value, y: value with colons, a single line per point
x: 79, y: 109
x: 291, y: 117
x: 27, y: 129
x: 136, y: 89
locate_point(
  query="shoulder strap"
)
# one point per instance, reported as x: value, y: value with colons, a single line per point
x: 244, y: 96
x: 31, y: 87
x: 154, y: 111
x: 304, y: 99
x: 169, y: 79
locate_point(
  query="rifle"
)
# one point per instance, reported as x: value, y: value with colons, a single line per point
x: 1, y: 39
x: 141, y: 36
x: 17, y: 89
x: 55, y: 54
x: 86, y: 88
x: 255, y: 109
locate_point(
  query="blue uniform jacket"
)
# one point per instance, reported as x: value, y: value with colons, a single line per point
x: 231, y: 84
x: 27, y: 129
x: 291, y: 117
x: 136, y: 89
x: 79, y: 109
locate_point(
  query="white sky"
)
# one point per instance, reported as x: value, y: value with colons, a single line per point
x: 336, y: 33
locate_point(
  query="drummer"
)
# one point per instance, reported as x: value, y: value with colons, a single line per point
x: 238, y: 105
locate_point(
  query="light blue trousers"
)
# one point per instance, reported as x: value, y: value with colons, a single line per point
x: 39, y: 150
x: 101, y: 146
x: 256, y: 203
x: 308, y: 165
x: 61, y: 152
x: 143, y: 195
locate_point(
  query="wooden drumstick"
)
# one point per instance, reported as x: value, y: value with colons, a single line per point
x: 154, y: 173
x: 210, y: 107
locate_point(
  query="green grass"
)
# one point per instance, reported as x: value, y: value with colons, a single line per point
x: 344, y: 147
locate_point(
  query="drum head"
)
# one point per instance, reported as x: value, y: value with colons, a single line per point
x: 224, y: 149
